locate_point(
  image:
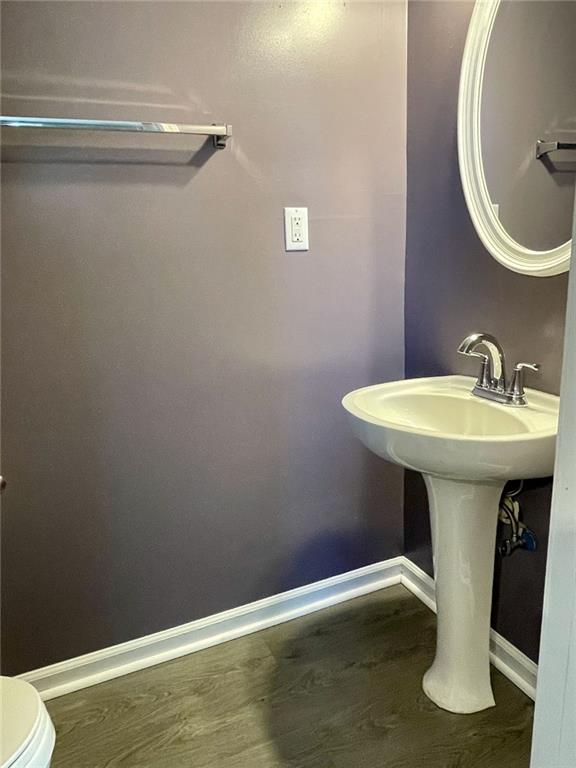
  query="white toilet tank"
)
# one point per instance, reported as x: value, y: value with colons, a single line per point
x: 27, y: 734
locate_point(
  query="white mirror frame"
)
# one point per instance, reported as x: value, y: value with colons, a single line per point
x: 493, y: 235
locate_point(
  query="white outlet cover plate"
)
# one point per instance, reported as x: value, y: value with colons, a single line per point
x: 296, y: 228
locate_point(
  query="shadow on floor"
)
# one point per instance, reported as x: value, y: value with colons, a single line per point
x: 346, y: 691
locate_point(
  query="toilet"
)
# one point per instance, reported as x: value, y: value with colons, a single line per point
x: 26, y: 732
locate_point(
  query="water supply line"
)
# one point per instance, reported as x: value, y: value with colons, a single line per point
x: 521, y: 537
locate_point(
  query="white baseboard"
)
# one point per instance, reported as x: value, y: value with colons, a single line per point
x: 108, y: 663
x: 419, y: 583
x: 514, y: 664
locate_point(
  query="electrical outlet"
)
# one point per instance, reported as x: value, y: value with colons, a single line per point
x: 296, y: 229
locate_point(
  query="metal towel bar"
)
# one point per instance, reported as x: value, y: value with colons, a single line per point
x: 219, y: 133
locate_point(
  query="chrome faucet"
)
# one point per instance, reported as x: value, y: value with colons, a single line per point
x: 491, y: 383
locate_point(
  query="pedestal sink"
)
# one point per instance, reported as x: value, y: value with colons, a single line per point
x: 467, y: 448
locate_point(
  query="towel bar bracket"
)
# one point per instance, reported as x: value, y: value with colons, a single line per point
x: 544, y: 148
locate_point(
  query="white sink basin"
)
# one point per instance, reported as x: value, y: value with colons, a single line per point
x: 437, y: 426
x: 466, y: 448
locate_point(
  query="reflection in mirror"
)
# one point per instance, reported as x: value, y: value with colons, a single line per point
x: 529, y: 93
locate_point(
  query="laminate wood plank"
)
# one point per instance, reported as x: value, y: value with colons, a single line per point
x: 340, y: 688
x: 167, y: 714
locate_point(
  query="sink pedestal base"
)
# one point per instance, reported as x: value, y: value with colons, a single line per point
x: 463, y: 518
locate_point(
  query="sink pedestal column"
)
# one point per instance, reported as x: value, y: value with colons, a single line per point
x: 463, y: 518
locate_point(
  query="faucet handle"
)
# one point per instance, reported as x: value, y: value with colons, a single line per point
x: 516, y: 389
x: 483, y: 380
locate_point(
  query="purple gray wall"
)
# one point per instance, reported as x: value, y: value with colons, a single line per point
x: 172, y: 430
x: 453, y: 287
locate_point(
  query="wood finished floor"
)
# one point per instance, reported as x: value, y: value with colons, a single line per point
x: 337, y: 689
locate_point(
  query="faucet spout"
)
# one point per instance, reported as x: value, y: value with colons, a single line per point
x: 496, y: 368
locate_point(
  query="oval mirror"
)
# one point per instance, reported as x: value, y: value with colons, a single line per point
x: 517, y: 131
